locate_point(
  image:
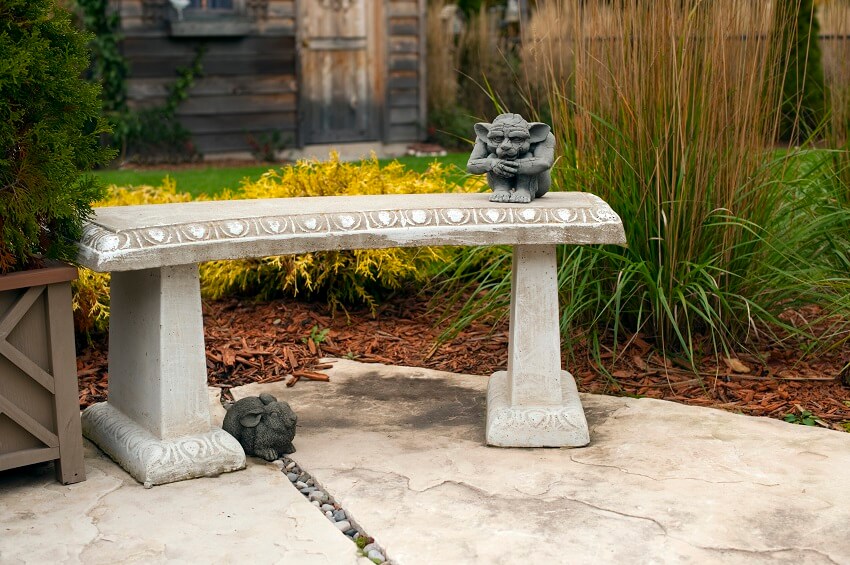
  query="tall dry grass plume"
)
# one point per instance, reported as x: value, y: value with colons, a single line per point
x: 835, y: 46
x: 472, y: 67
x: 669, y: 110
x: 834, y: 17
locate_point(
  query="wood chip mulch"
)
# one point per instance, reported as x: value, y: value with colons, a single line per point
x: 261, y: 342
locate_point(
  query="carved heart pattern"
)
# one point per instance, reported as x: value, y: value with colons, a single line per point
x: 157, y: 235
x: 492, y: 215
x: 345, y: 221
x: 419, y: 216
x: 385, y: 218
x: 528, y: 214
x: 455, y: 216
x: 566, y: 215
x: 191, y: 448
x: 234, y: 228
x: 109, y: 243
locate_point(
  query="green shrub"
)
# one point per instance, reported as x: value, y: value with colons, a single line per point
x: 49, y: 132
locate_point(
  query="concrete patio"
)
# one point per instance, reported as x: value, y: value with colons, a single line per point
x: 403, y: 451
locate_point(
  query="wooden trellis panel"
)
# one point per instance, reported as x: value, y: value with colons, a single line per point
x: 39, y: 404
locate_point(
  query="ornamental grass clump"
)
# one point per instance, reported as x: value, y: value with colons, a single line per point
x: 342, y: 278
x: 668, y: 110
x: 50, y: 131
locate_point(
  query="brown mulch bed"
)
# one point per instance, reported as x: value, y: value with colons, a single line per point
x: 270, y: 341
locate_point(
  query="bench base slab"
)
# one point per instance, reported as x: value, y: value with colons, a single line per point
x: 563, y: 425
x: 153, y: 461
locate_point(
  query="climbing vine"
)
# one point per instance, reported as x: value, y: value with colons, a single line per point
x: 155, y: 134
x: 149, y: 134
x: 109, y: 67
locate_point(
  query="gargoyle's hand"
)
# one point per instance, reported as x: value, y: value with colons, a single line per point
x: 505, y: 169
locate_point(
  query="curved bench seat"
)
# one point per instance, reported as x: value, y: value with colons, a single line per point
x: 156, y: 423
x: 127, y: 238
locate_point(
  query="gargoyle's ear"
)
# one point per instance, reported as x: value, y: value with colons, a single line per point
x: 481, y: 130
x: 252, y: 418
x: 538, y: 132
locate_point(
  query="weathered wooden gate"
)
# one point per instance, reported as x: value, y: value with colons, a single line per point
x: 339, y: 70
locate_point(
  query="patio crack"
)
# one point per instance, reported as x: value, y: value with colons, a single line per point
x: 95, y: 521
x: 662, y: 479
x: 760, y: 552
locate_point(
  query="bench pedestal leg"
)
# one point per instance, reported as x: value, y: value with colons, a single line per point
x: 156, y: 423
x: 534, y: 403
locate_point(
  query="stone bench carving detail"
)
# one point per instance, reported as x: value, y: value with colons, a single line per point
x: 156, y: 423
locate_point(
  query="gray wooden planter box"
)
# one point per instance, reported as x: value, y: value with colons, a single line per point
x: 39, y: 401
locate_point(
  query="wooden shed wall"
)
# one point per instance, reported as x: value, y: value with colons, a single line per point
x: 250, y: 83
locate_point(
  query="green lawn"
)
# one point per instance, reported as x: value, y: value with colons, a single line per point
x: 212, y: 180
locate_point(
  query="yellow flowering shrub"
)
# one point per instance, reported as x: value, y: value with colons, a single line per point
x: 91, y: 289
x: 337, y: 178
x: 340, y: 277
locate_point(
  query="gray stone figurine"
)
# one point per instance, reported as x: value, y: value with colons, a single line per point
x: 264, y: 426
x: 516, y: 156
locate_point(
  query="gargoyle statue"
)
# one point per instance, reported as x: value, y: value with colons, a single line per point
x: 264, y: 427
x: 516, y: 155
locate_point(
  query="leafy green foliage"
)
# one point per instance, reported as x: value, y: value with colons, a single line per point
x: 804, y: 418
x: 317, y: 336
x: 212, y: 180
x: 452, y: 127
x: 49, y: 133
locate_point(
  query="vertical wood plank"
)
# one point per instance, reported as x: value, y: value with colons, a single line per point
x: 337, y: 71
x: 423, y: 65
x: 384, y: 20
x: 70, y: 467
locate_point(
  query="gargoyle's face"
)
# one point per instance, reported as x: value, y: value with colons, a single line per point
x: 508, y: 138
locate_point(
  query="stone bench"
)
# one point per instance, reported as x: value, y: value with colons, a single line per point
x: 156, y: 423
